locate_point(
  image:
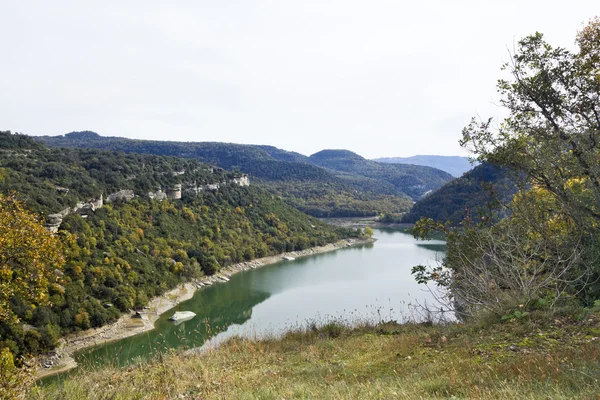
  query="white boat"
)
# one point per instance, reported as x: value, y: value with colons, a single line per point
x: 288, y: 258
x: 181, y: 316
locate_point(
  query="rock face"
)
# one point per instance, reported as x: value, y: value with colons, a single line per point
x: 53, y: 222
x: 192, y: 188
x: 97, y: 203
x: 122, y: 195
x: 158, y: 195
x: 241, y: 180
x: 174, y: 192
x: 89, y: 207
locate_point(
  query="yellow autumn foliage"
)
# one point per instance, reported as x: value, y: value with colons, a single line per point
x: 29, y: 255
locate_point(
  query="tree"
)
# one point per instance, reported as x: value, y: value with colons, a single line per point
x: 368, y: 231
x: 544, y: 244
x: 533, y: 254
x: 29, y: 255
x: 552, y: 133
x: 13, y: 381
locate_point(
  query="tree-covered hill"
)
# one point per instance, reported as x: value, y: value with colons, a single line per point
x: 414, y: 180
x: 454, y: 165
x: 122, y: 252
x: 299, y: 180
x: 476, y: 191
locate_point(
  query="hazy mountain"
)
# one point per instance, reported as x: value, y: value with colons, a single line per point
x: 454, y: 165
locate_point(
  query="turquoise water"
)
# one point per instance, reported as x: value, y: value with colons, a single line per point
x: 366, y: 282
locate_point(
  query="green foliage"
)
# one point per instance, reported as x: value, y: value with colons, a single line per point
x: 328, y: 200
x: 515, y: 315
x: 475, y: 194
x: 29, y: 255
x: 414, y: 180
x: 14, y: 381
x: 551, y: 133
x: 542, y: 249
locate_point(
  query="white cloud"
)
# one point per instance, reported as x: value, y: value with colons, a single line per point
x: 382, y: 78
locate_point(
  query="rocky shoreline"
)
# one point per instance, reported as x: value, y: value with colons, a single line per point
x: 61, y: 359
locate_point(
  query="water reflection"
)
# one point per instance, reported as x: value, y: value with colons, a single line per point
x: 437, y: 247
x: 363, y: 282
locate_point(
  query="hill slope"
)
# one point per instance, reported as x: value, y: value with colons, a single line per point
x: 300, y: 181
x: 475, y: 190
x: 454, y: 165
x: 411, y: 179
x: 127, y: 247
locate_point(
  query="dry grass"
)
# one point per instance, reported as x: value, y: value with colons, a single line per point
x: 556, y: 359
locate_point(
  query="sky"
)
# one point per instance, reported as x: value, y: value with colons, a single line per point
x: 381, y: 78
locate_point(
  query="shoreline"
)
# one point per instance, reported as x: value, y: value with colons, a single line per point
x: 61, y: 359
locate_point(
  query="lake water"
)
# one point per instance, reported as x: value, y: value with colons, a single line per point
x: 367, y: 282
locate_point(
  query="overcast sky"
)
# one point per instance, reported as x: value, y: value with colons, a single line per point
x: 381, y: 78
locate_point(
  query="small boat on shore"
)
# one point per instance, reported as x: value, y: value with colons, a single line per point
x: 288, y: 258
x: 181, y: 316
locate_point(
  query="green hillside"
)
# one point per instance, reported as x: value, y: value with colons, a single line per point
x: 299, y: 180
x: 413, y: 180
x: 122, y: 247
x: 474, y: 192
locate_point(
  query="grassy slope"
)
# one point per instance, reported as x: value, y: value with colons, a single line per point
x: 558, y: 357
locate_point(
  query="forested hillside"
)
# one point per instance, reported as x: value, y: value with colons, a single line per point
x: 124, y: 250
x: 320, y: 190
x: 454, y: 165
x: 478, y: 191
x: 413, y: 180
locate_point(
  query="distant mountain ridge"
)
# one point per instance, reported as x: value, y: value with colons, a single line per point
x: 331, y: 183
x: 454, y: 165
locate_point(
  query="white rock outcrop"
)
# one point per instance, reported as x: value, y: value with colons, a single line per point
x: 174, y: 192
x: 158, y: 195
x: 122, y: 195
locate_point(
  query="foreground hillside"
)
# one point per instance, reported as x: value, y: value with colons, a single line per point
x: 315, y: 185
x: 132, y: 227
x: 537, y: 357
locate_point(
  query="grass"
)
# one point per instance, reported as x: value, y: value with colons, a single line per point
x: 538, y: 357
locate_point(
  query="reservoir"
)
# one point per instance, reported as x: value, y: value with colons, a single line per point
x: 367, y: 282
